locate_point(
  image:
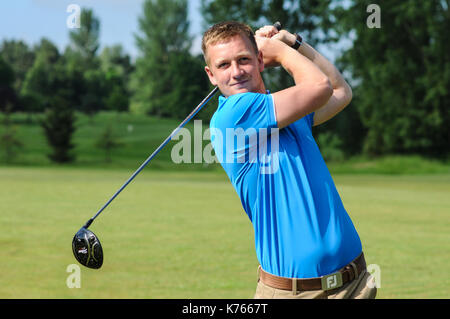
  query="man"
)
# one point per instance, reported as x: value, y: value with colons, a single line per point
x: 305, y: 242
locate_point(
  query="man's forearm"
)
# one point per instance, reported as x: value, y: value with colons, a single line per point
x: 341, y: 92
x: 333, y: 74
x: 300, y: 67
x: 324, y: 65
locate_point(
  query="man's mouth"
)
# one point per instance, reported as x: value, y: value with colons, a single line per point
x: 239, y: 83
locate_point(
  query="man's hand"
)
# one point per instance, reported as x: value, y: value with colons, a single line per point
x: 312, y: 88
x: 269, y: 31
x: 270, y: 42
x: 271, y: 50
x: 342, y: 93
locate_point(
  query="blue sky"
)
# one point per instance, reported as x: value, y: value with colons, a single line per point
x: 30, y: 20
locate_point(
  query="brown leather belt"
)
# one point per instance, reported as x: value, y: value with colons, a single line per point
x: 328, y: 282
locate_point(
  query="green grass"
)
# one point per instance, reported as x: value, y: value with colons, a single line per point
x: 183, y: 234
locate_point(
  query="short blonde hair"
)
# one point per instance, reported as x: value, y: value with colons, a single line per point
x: 225, y: 30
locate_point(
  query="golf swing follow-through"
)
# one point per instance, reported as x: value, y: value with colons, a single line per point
x: 305, y: 241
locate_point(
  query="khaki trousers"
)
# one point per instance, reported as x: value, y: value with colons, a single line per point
x: 362, y: 287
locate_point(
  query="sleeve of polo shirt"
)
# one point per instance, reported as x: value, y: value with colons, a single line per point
x: 245, y: 121
x: 310, y: 120
x: 251, y: 111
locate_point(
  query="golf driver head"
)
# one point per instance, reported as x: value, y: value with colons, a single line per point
x: 87, y: 248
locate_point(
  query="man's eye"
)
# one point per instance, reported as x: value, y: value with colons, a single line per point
x: 222, y: 65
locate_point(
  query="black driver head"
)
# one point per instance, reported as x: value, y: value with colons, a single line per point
x: 87, y: 249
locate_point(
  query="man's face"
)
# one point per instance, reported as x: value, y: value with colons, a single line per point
x: 234, y: 66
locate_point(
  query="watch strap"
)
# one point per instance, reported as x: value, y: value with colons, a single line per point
x: 298, y: 41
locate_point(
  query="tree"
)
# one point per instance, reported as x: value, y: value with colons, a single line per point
x: 9, y: 143
x: 114, y: 58
x: 59, y: 127
x: 402, y: 74
x: 107, y: 142
x: 92, y: 99
x: 116, y: 66
x: 41, y: 79
x: 20, y: 58
x: 163, y: 69
x: 48, y: 87
x: 7, y: 93
x: 83, y: 64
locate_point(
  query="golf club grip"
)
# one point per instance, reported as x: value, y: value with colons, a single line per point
x: 277, y: 25
x: 167, y: 140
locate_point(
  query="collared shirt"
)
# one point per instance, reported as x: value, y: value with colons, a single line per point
x: 301, y: 227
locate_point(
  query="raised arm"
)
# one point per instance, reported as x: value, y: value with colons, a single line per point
x: 342, y: 93
x: 312, y: 87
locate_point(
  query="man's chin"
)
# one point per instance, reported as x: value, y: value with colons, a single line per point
x: 238, y: 90
x: 242, y: 90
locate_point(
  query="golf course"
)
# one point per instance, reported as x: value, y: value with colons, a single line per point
x: 135, y: 136
x: 179, y: 231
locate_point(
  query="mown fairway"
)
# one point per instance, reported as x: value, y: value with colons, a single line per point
x: 184, y: 234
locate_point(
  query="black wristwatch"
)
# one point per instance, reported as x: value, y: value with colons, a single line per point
x: 298, y: 41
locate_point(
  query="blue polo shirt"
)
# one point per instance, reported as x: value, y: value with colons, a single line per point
x: 301, y: 227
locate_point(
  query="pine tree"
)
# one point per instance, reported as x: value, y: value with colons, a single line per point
x: 59, y: 126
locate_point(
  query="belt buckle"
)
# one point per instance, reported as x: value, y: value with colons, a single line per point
x: 331, y: 281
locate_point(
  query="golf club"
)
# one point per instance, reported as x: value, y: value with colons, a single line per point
x: 86, y: 246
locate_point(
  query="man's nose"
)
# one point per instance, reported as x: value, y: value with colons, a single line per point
x: 236, y: 70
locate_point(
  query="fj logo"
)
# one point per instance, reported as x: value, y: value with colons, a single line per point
x: 332, y: 281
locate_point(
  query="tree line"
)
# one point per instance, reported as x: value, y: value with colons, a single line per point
x: 399, y: 71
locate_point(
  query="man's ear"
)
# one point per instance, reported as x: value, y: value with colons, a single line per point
x: 260, y: 61
x: 210, y: 76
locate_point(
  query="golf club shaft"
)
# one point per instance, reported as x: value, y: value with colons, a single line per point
x: 167, y: 140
